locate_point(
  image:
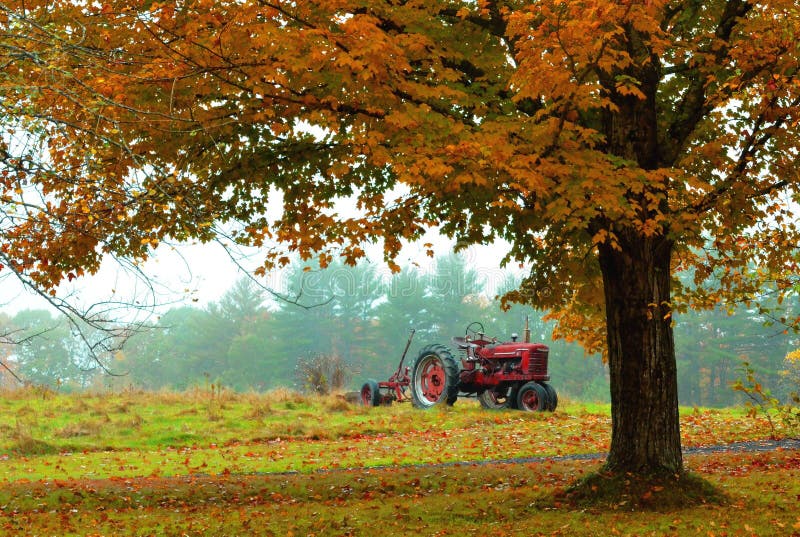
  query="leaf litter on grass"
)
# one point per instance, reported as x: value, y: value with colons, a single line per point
x: 305, y: 435
x: 206, y: 489
x: 502, y: 499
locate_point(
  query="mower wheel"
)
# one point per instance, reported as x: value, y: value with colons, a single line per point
x: 532, y: 397
x: 370, y: 393
x: 552, y: 397
x: 434, y: 377
x: 498, y: 399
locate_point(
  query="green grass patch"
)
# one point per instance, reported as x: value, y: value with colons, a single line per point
x: 168, y: 434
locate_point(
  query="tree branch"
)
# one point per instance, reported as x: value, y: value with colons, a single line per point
x: 755, y: 141
x: 695, y: 105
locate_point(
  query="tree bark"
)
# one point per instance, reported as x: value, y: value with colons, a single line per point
x: 645, y: 437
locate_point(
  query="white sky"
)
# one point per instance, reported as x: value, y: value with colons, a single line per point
x: 198, y: 274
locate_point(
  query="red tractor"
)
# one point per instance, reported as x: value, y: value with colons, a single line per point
x: 512, y: 374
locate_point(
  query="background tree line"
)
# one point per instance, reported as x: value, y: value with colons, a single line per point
x: 248, y: 340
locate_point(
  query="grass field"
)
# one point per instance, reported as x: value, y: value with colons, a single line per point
x: 207, y: 462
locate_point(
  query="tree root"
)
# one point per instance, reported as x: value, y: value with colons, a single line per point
x: 636, y: 492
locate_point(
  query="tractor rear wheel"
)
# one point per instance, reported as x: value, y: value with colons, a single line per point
x: 552, y: 397
x: 532, y: 397
x: 434, y: 377
x: 370, y: 393
x: 498, y: 398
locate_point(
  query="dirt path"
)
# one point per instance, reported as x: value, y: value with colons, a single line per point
x: 750, y: 446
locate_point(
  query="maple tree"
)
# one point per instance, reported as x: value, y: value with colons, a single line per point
x: 613, y: 144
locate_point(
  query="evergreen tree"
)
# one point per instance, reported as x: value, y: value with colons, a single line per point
x: 45, y: 351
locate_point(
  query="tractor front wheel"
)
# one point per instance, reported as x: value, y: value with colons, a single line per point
x: 370, y: 393
x: 552, y: 397
x: 532, y: 397
x: 434, y: 377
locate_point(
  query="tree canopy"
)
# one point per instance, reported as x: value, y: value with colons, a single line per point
x: 493, y: 119
x: 613, y: 144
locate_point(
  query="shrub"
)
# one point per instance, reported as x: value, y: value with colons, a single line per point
x: 321, y: 373
x: 780, y: 415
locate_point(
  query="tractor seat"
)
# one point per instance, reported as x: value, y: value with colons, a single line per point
x: 462, y: 343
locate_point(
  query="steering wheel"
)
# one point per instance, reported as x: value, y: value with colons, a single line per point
x: 475, y: 330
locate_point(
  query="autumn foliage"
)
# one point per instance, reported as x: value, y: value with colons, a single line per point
x: 555, y: 125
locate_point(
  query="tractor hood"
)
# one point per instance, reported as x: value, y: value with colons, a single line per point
x: 515, y: 348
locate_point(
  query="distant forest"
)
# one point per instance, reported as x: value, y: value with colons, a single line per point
x: 251, y: 340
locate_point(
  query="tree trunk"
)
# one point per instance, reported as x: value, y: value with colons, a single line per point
x: 645, y: 436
